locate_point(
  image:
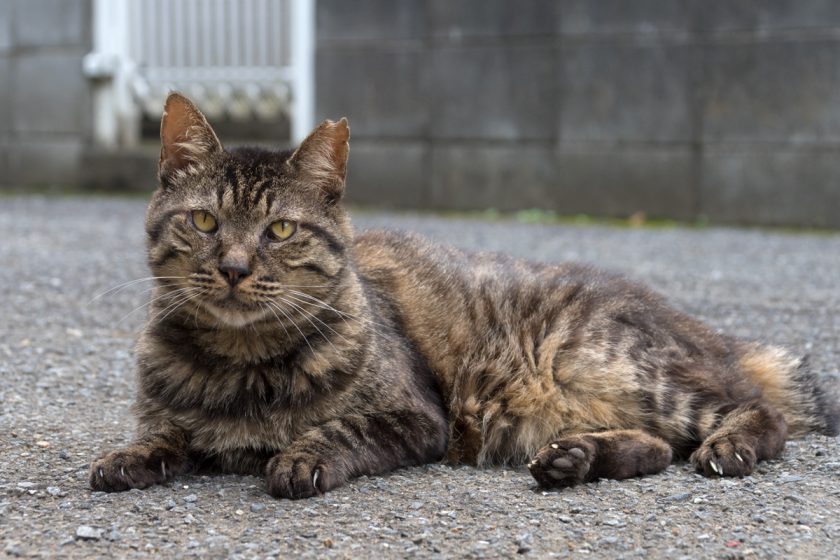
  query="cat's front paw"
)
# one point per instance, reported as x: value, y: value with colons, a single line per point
x: 128, y: 468
x: 299, y: 475
x: 565, y: 462
x: 726, y: 455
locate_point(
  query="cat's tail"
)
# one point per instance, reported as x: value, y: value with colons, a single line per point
x: 808, y: 402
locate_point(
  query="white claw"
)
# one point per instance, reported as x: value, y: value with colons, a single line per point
x: 738, y: 456
x: 555, y: 446
x: 122, y: 471
x: 315, y: 478
x: 163, y: 468
x: 101, y: 473
x: 714, y: 467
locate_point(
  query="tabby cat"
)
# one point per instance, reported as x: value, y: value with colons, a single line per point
x: 279, y: 344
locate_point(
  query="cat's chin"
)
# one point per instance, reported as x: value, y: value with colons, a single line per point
x: 236, y: 318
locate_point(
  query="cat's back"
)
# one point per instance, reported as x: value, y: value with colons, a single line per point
x: 447, y: 295
x: 454, y: 303
x: 400, y: 261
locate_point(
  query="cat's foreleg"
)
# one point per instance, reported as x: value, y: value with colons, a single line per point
x: 151, y: 459
x: 750, y: 433
x: 329, y: 455
x: 613, y: 454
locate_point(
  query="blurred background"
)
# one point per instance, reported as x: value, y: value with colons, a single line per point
x: 725, y: 111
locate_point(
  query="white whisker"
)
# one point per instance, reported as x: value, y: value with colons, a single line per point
x: 287, y: 316
x: 279, y: 321
x: 153, y: 300
x: 193, y: 293
x: 319, y: 304
x: 343, y: 314
x: 307, y: 315
x: 279, y: 285
x: 118, y: 288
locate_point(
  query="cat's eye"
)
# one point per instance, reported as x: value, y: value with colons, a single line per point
x: 203, y: 221
x: 282, y: 229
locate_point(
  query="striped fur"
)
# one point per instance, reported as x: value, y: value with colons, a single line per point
x: 328, y: 355
x: 529, y: 354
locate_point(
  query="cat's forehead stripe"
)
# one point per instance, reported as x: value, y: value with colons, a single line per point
x: 232, y: 180
x: 269, y: 201
x: 260, y: 189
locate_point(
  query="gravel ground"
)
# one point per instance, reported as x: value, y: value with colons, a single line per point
x: 67, y: 383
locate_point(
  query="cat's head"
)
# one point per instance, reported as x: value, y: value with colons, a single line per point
x: 230, y: 231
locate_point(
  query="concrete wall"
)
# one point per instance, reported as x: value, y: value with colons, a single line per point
x: 728, y: 109
x: 45, y: 101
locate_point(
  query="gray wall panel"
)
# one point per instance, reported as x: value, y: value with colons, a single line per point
x: 505, y: 176
x: 52, y: 23
x: 495, y: 92
x: 392, y: 171
x: 775, y: 186
x: 626, y: 92
x: 608, y: 107
x: 774, y: 91
x: 385, y: 91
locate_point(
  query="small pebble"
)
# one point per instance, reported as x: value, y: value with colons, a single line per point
x: 790, y: 478
x: 681, y: 497
x: 113, y: 535
x: 87, y: 533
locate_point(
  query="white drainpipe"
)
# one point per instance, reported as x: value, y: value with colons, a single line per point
x: 116, y: 121
x: 303, y: 69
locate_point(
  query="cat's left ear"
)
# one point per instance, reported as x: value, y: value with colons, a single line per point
x: 185, y: 135
x: 321, y: 159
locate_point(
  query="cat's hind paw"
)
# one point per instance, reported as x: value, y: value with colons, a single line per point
x: 724, y: 456
x: 565, y: 462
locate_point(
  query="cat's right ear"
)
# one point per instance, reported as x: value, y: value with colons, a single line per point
x: 185, y: 135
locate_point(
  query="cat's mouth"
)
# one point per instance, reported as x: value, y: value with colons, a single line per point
x: 234, y: 312
x: 234, y: 300
x: 234, y: 309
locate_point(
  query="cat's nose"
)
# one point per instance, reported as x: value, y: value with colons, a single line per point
x: 234, y: 273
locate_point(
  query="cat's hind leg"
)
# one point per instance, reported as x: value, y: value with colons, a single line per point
x: 749, y: 433
x: 585, y: 457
